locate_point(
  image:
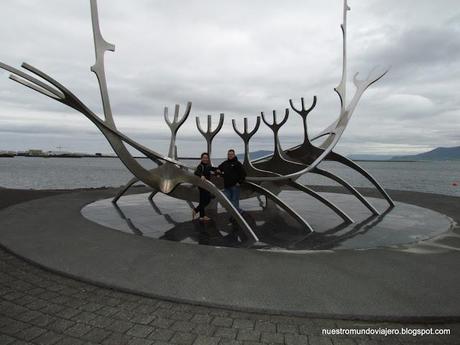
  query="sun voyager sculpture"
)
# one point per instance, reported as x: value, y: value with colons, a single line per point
x: 265, y: 176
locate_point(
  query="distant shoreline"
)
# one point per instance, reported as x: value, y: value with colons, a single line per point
x: 198, y: 158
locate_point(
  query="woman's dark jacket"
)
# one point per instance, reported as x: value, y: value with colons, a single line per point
x: 204, y: 170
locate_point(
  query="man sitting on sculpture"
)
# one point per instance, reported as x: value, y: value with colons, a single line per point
x: 234, y: 174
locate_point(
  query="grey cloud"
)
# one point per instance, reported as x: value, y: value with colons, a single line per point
x: 240, y: 58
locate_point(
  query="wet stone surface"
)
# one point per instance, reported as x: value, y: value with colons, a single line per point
x: 167, y: 218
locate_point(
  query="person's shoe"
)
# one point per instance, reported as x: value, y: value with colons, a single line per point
x: 206, y: 218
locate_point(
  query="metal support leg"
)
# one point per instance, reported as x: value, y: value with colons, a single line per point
x: 347, y: 186
x: 124, y: 189
x: 281, y: 204
x: 349, y: 163
x: 322, y: 199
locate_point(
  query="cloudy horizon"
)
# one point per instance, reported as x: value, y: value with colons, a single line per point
x: 239, y: 58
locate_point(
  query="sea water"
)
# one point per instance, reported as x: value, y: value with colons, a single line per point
x: 440, y: 177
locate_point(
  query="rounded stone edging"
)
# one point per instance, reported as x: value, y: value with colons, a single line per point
x: 372, y: 285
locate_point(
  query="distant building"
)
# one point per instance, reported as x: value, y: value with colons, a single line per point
x: 35, y: 152
x: 7, y: 153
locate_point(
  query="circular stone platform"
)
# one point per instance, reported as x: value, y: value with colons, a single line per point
x: 412, y: 282
x: 167, y: 218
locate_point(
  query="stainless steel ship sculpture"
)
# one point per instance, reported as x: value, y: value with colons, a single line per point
x: 265, y: 176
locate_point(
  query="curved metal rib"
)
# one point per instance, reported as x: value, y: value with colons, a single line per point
x: 322, y: 199
x: 223, y: 200
x: 348, y: 186
x: 349, y: 163
x: 124, y: 189
x: 280, y: 203
x: 152, y: 195
x: 253, y: 171
x: 101, y: 46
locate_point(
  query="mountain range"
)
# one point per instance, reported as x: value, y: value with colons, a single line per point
x: 438, y: 154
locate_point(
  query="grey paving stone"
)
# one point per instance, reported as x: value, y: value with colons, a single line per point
x: 226, y: 333
x: 265, y: 326
x: 162, y: 323
x: 201, y: 318
x: 183, y: 326
x: 183, y: 338
x: 49, y: 338
x: 343, y: 341
x: 68, y: 313
x: 320, y: 340
x: 140, y: 331
x: 91, y: 307
x: 78, y: 330
x: 96, y: 335
x: 204, y: 340
x: 204, y: 329
x: 161, y: 334
x: 10, y: 326
x: 117, y: 338
x: 222, y: 321
x: 43, y: 320
x: 310, y: 329
x: 147, y: 307
x: 24, y: 300
x: 287, y: 328
x: 60, y: 325
x: 230, y: 342
x: 20, y: 342
x: 272, y: 338
x: 107, y: 311
x: 248, y: 335
x: 365, y: 342
x: 71, y: 341
x: 143, y: 318
x: 119, y: 326
x: 29, y: 315
x: 30, y: 333
x: 243, y: 323
x: 141, y: 341
x: 100, y: 322
x: 37, y: 305
x: 11, y: 296
x: 6, y: 339
x: 181, y: 316
x: 293, y: 339
x: 11, y: 309
x: 163, y: 313
x: 84, y: 317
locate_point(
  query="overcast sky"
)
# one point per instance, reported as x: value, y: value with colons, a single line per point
x: 237, y: 57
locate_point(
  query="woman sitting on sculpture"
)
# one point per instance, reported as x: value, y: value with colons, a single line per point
x: 204, y: 171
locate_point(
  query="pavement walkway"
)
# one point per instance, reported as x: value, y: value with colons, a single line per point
x: 40, y: 307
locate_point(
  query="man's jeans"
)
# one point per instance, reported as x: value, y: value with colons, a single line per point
x: 233, y: 194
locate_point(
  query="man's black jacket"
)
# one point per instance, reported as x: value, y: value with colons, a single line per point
x: 233, y: 172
